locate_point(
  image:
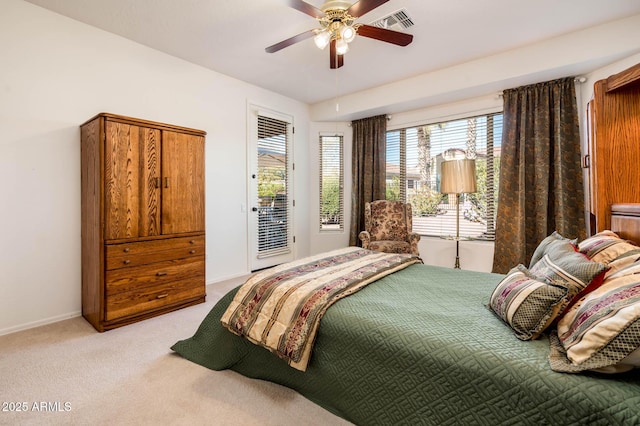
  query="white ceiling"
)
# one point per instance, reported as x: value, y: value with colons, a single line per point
x: 229, y: 36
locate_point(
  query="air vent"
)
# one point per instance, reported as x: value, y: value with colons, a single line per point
x: 399, y: 20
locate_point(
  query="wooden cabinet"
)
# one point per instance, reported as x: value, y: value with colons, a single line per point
x: 143, y: 223
x: 614, y: 145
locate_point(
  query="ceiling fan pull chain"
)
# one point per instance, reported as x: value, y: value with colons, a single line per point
x: 337, y: 92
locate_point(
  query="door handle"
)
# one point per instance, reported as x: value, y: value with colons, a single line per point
x: 254, y: 209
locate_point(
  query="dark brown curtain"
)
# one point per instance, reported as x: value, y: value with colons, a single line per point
x: 369, y: 169
x: 540, y: 172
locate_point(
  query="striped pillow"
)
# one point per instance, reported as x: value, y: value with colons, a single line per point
x: 601, y: 332
x: 605, y: 247
x: 621, y: 263
x: 527, y: 304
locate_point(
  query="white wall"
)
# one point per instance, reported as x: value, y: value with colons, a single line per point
x: 56, y: 73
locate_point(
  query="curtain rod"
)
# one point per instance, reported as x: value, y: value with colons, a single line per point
x: 579, y: 80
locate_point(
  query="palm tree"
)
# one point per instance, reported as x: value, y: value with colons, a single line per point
x: 424, y: 154
x: 471, y: 138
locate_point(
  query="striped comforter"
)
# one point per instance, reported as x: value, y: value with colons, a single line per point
x: 280, y: 308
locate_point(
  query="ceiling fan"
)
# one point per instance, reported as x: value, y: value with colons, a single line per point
x: 338, y: 28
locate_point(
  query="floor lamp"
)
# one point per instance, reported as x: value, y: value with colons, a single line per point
x: 458, y: 177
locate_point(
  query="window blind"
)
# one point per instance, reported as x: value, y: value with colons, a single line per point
x: 414, y: 158
x: 273, y: 189
x: 331, y: 183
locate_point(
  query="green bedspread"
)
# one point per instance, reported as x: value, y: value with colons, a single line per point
x: 420, y: 347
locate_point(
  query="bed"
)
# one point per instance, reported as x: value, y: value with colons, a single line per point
x: 423, y: 345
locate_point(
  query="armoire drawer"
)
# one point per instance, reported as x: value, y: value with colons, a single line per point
x: 143, y: 252
x: 153, y: 274
x: 147, y: 299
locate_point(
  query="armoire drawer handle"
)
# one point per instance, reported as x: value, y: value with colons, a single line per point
x: 192, y: 241
x: 161, y: 274
x: 192, y: 252
x: 126, y: 261
x: 126, y: 250
x: 162, y: 296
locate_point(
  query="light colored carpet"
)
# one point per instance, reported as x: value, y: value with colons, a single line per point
x: 68, y: 374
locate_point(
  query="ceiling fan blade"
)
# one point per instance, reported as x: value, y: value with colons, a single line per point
x: 361, y: 7
x: 389, y: 36
x: 335, y: 60
x: 288, y: 42
x: 307, y: 8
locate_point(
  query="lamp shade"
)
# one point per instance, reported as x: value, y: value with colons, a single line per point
x: 342, y: 47
x: 322, y: 39
x: 347, y: 33
x: 458, y: 176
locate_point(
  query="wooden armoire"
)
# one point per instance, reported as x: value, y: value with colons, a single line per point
x: 143, y: 222
x: 614, y: 145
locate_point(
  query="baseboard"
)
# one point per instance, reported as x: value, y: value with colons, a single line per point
x: 229, y: 281
x: 39, y: 323
x: 240, y: 278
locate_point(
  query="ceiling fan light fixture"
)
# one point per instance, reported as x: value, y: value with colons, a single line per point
x: 347, y: 33
x: 322, y: 39
x: 338, y: 27
x: 342, y: 46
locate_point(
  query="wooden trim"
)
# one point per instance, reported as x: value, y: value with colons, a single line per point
x: 155, y: 237
x: 625, y: 221
x: 147, y: 123
x: 623, y: 78
x: 630, y: 209
x: 131, y: 319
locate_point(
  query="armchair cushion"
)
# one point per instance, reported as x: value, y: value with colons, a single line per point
x: 389, y: 246
x: 387, y: 221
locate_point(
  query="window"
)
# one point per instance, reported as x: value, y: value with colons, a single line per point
x: 414, y: 158
x: 331, y: 183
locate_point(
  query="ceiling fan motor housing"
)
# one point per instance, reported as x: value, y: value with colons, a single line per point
x: 335, y: 4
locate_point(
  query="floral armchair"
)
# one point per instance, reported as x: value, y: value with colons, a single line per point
x: 387, y: 227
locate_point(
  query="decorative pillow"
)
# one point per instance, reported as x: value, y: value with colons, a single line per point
x: 628, y: 262
x: 605, y: 246
x: 526, y: 304
x: 601, y: 331
x: 563, y: 266
x: 542, y: 248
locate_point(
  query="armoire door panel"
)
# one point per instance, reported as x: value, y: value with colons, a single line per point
x: 131, y: 170
x: 182, y: 183
x: 122, y: 170
x: 150, y: 192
